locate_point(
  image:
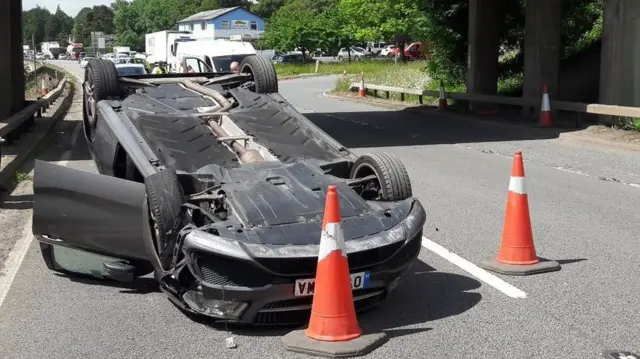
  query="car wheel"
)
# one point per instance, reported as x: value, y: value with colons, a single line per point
x: 340, y: 58
x: 165, y: 198
x: 100, y: 82
x: 263, y: 72
x: 391, y: 182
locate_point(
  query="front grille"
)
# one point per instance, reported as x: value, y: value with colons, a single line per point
x: 298, y: 310
x: 219, y: 270
x: 308, y: 265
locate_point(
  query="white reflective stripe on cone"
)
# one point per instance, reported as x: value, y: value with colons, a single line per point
x: 332, y: 239
x: 545, y: 103
x: 516, y: 185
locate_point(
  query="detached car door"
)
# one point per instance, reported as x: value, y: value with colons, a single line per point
x: 87, y: 211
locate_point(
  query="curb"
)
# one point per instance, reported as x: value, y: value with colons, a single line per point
x: 302, y: 76
x: 12, y: 168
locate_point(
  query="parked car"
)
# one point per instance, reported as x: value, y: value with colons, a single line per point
x: 293, y: 58
x: 357, y: 53
x: 215, y: 183
x: 414, y: 51
x: 375, y: 47
x: 388, y: 51
x: 130, y: 69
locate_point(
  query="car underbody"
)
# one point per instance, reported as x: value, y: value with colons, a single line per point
x: 216, y: 185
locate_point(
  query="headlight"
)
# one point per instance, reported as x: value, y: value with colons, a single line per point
x: 212, y: 307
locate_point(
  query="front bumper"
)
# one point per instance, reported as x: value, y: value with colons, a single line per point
x: 234, y: 286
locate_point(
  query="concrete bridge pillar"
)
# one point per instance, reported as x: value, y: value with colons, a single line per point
x: 484, y: 44
x: 542, y: 50
x: 11, y: 62
x: 620, y: 58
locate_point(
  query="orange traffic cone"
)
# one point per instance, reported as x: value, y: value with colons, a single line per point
x: 362, y: 92
x: 333, y: 327
x: 43, y: 87
x: 517, y: 253
x: 442, y: 100
x: 545, y: 110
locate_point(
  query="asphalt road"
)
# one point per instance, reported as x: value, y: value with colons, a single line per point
x: 460, y: 171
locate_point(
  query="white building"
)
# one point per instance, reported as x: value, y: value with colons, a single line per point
x: 223, y: 23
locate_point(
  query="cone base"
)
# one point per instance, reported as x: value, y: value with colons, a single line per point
x: 543, y: 266
x: 298, y: 342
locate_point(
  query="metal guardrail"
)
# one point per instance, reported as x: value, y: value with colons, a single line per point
x: 591, y: 108
x: 11, y: 128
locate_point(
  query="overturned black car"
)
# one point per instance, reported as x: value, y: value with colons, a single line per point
x: 214, y: 183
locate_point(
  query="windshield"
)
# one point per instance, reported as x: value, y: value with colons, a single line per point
x: 223, y: 63
x: 130, y: 70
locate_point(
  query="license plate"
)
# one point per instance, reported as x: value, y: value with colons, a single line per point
x: 306, y: 287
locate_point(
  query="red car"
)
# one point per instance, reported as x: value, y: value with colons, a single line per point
x: 414, y: 51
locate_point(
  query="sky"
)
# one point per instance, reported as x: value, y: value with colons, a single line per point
x: 70, y: 7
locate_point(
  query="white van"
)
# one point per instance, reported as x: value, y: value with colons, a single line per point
x: 211, y: 55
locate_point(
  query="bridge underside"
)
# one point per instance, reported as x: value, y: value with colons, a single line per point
x: 11, y: 62
x: 619, y: 78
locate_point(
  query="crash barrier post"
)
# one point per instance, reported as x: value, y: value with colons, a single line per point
x: 362, y: 92
x: 333, y: 329
x: 344, y: 75
x: 517, y: 253
x: 442, y: 100
x: 545, y: 109
x: 317, y: 65
x: 578, y: 107
x: 12, y: 127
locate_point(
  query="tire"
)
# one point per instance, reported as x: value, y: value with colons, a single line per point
x: 340, y: 58
x: 165, y: 197
x: 102, y: 79
x: 263, y: 71
x: 395, y: 184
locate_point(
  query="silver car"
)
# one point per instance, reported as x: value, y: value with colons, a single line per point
x: 357, y: 53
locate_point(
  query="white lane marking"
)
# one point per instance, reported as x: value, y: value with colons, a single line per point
x: 19, y: 250
x: 474, y: 270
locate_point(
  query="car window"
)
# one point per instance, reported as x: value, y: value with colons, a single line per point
x: 359, y: 49
x: 193, y: 64
x: 223, y: 63
x: 342, y: 50
x: 130, y: 70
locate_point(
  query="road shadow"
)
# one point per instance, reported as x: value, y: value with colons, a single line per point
x: 424, y: 295
x: 142, y: 285
x: 24, y: 201
x: 424, y: 126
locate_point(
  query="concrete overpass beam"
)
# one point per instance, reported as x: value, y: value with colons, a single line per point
x: 542, y: 49
x: 484, y: 44
x: 620, y: 58
x: 12, y: 62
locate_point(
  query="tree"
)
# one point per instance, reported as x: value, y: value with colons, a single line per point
x: 206, y: 5
x: 293, y: 25
x: 266, y: 8
x: 34, y: 22
x: 380, y: 20
x: 51, y: 28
